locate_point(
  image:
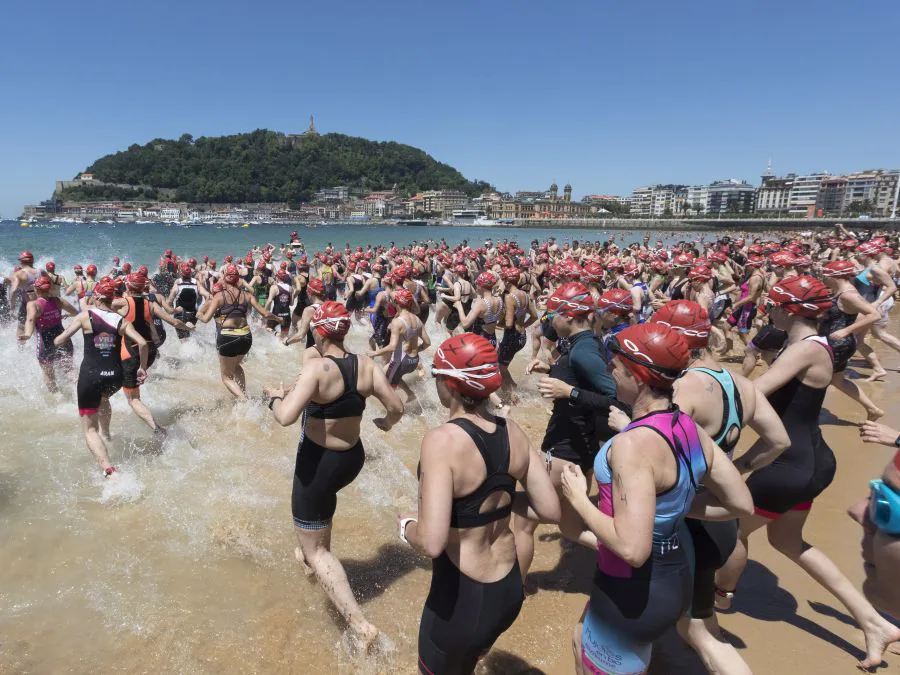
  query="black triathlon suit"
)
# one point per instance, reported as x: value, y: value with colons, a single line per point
x: 188, y: 298
x: 231, y: 342
x: 803, y: 471
x: 100, y: 375
x: 462, y: 618
x: 320, y: 472
x: 834, y: 320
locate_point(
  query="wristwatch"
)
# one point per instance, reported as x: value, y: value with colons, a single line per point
x: 574, y: 394
x: 897, y: 441
x: 403, y: 523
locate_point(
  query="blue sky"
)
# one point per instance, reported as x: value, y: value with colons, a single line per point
x: 604, y: 95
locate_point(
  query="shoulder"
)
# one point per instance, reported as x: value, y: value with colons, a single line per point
x: 630, y: 448
x: 440, y: 442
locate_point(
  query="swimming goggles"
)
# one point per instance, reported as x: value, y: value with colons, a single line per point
x: 884, y: 507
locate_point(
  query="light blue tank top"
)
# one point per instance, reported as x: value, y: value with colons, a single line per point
x: 733, y: 417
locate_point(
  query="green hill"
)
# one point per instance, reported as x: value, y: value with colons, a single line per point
x: 266, y: 166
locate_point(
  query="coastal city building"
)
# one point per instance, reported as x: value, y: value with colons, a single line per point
x: 804, y: 194
x: 774, y: 194
x: 730, y: 196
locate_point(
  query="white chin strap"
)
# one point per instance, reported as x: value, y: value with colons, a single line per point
x: 469, y: 375
x: 332, y: 324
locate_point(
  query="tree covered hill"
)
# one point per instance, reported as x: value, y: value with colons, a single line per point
x: 266, y: 166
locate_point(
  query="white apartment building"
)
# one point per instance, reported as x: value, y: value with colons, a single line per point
x: 804, y: 193
x: 698, y: 198
x: 641, y: 199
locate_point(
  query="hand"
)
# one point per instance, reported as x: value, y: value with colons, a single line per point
x: 837, y: 336
x: 141, y: 376
x: 574, y: 484
x: 874, y: 432
x: 26, y: 338
x: 274, y: 392
x: 178, y: 310
x: 371, y: 355
x: 618, y: 420
x: 537, y: 366
x: 550, y: 387
x: 190, y: 326
x: 382, y: 423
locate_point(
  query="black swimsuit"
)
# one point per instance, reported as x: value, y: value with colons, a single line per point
x: 834, y: 320
x: 320, y: 472
x: 462, y: 617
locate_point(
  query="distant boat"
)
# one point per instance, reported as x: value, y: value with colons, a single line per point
x: 245, y: 225
x: 24, y: 224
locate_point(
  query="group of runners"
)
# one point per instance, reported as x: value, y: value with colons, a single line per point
x: 629, y: 344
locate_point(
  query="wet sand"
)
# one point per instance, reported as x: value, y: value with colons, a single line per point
x: 190, y: 568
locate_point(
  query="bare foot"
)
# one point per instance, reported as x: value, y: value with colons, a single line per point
x: 877, y: 376
x: 879, y: 636
x: 364, y: 637
x: 874, y: 414
x: 723, y: 599
x: 298, y: 554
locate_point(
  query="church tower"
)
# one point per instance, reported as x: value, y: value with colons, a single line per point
x: 312, y: 128
x: 567, y: 193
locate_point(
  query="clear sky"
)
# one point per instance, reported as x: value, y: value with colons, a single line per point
x: 604, y: 95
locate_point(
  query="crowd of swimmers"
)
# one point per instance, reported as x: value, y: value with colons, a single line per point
x: 629, y: 344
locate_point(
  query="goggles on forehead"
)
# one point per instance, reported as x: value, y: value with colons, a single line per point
x: 332, y: 323
x: 884, y: 507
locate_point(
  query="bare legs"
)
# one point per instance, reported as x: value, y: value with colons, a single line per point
x: 786, y: 536
x: 91, y: 426
x: 141, y: 410
x: 868, y: 353
x: 315, y: 551
x: 233, y: 376
x: 854, y: 391
x: 705, y: 638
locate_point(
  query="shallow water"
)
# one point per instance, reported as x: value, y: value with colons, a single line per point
x: 186, y: 565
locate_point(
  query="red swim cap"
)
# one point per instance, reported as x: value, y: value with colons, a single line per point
x: 839, y: 269
x: 116, y: 259
x: 105, y: 288
x: 701, y: 273
x: 42, y: 283
x: 470, y: 365
x: 230, y: 274
x: 616, y: 301
x: 185, y: 271
x: 136, y: 282
x: 688, y: 318
x: 26, y: 256
x: 316, y: 286
x: 331, y: 320
x: 486, y: 280
x: 283, y: 275
x: 654, y: 354
x: 571, y: 299
x: 801, y: 295
x: 755, y: 261
x: 91, y: 270
x: 682, y: 260
x: 510, y: 275
x: 126, y: 268
x: 402, y: 298
x: 50, y: 267
x: 77, y: 269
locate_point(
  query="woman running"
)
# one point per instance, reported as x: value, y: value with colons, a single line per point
x: 520, y: 313
x: 461, y: 296
x: 721, y: 403
x: 408, y: 337
x: 315, y: 296
x: 100, y: 375
x: 647, y: 476
x: 849, y: 315
x: 783, y: 492
x: 484, y: 315
x: 44, y: 314
x: 233, y: 337
x: 331, y: 394
x: 468, y: 472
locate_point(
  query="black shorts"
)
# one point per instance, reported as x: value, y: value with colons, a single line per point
x: 186, y: 317
x: 463, y: 618
x: 132, y: 364
x: 512, y: 343
x: 232, y: 342
x: 791, y: 485
x: 319, y: 474
x: 47, y: 351
x: 713, y: 541
x: 94, y: 385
